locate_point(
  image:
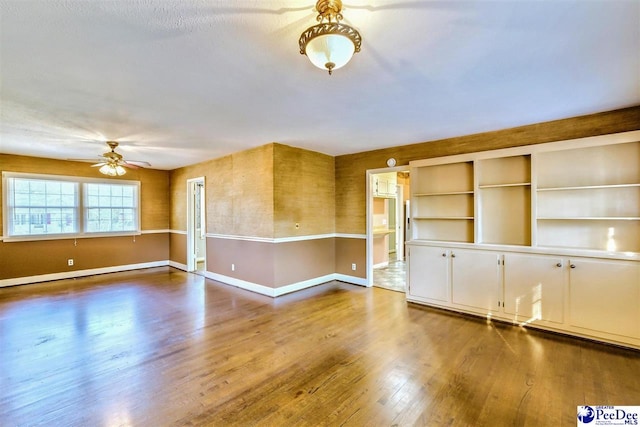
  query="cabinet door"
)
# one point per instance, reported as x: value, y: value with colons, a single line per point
x: 383, y: 187
x: 605, y: 296
x: 429, y: 273
x: 475, y: 279
x: 533, y: 287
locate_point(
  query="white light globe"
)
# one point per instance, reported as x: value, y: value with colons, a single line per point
x: 330, y: 49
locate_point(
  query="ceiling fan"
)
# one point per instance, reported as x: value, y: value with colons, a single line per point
x: 113, y: 164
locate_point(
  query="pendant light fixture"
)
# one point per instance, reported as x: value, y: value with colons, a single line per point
x: 329, y: 45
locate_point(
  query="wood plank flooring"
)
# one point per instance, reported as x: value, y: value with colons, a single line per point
x: 160, y: 347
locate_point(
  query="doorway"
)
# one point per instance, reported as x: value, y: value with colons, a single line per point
x: 387, y: 197
x: 196, y: 226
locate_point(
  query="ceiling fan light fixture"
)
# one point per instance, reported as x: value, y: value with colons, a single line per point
x: 330, y: 45
x: 112, y: 169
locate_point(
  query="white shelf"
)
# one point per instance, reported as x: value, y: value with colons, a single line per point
x: 590, y: 218
x: 443, y: 217
x: 519, y: 184
x: 451, y: 193
x: 588, y: 187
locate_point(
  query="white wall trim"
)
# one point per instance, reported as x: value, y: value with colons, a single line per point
x: 382, y: 264
x: 282, y: 290
x: 62, y: 237
x: 242, y: 284
x: 79, y: 273
x: 352, y: 279
x: 351, y: 236
x: 178, y: 265
x: 179, y: 232
x: 286, y: 239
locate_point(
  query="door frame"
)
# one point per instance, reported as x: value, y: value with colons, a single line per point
x: 369, y: 196
x: 191, y: 225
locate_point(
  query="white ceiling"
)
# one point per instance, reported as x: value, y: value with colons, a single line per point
x: 182, y: 81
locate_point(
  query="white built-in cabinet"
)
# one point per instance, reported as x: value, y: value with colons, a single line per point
x: 534, y: 287
x: 546, y: 235
x: 475, y: 281
x: 430, y: 277
x: 384, y: 184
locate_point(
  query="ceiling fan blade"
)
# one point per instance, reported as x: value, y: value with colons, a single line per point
x: 96, y: 159
x: 99, y: 164
x: 138, y: 163
x: 129, y: 165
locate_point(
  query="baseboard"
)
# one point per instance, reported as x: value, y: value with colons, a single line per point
x: 242, y: 284
x: 351, y: 279
x: 282, y: 290
x: 178, y: 265
x: 79, y: 273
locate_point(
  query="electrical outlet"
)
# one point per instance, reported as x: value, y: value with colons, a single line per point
x: 353, y: 266
x: 70, y: 262
x: 233, y: 267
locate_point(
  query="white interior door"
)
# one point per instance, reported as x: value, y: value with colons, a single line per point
x: 196, y: 233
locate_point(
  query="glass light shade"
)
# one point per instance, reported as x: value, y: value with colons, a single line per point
x: 330, y: 48
x: 112, y: 170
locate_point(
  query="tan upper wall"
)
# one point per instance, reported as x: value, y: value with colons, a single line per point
x: 154, y: 184
x: 262, y: 192
x: 351, y: 169
x: 304, y: 192
x: 238, y: 191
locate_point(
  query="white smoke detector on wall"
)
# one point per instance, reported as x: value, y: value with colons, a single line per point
x: 391, y: 162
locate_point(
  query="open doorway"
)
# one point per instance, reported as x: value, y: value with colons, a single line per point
x: 196, y: 228
x: 387, y: 209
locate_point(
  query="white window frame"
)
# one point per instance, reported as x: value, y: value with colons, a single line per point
x: 81, y: 210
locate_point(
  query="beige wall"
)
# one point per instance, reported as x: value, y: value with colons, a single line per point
x: 30, y: 258
x: 304, y: 192
x: 351, y: 169
x: 238, y: 189
x: 263, y: 193
x: 351, y: 251
x: 25, y: 259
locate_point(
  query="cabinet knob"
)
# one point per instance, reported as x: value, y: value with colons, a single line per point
x: 559, y: 264
x: 453, y: 255
x: 572, y: 266
x: 444, y: 254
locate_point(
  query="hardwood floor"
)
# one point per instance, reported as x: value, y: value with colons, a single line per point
x: 163, y: 347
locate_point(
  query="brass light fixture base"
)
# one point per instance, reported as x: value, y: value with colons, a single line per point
x: 329, y: 16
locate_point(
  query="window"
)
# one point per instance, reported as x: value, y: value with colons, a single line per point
x: 44, y: 206
x: 110, y: 208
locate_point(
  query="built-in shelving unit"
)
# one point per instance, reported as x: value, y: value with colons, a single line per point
x: 504, y: 200
x: 585, y: 198
x: 443, y: 202
x: 545, y: 235
x: 589, y: 198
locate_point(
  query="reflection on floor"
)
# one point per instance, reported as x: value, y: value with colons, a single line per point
x: 391, y: 277
x: 200, y: 268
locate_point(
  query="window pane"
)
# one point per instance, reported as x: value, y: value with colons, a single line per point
x: 37, y: 207
x: 111, y: 208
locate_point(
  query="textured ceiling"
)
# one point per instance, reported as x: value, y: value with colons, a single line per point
x: 179, y: 82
